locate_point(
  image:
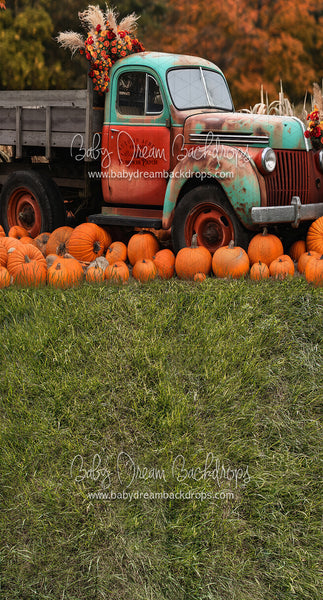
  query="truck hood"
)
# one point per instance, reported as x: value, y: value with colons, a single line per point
x: 241, y: 129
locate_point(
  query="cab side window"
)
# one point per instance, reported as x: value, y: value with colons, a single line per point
x: 138, y: 93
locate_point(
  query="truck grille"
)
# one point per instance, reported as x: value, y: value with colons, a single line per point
x: 289, y: 179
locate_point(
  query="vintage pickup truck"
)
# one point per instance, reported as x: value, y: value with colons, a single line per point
x: 164, y: 148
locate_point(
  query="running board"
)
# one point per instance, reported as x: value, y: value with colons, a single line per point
x: 125, y: 221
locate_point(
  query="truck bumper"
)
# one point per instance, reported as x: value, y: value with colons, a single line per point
x: 294, y: 213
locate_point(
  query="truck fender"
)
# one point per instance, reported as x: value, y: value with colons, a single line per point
x: 232, y: 168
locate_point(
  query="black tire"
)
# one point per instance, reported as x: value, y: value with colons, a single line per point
x: 206, y: 213
x: 32, y: 200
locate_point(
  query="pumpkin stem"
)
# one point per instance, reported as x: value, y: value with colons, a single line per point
x: 58, y: 266
x: 265, y: 231
x: 96, y: 247
x: 231, y: 244
x: 194, y: 243
x: 27, y: 259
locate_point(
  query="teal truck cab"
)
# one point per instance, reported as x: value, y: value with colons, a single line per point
x: 167, y: 150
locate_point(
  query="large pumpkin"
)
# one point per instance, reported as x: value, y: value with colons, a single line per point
x: 65, y: 273
x: 314, y: 239
x: 190, y: 261
x: 314, y: 270
x: 88, y: 241
x: 32, y: 273
x: 3, y: 256
x: 57, y: 242
x: 142, y: 245
x: 164, y: 261
x: 265, y: 247
x: 24, y: 254
x: 230, y: 261
x: 282, y: 267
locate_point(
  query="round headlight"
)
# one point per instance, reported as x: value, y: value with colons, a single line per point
x: 268, y: 160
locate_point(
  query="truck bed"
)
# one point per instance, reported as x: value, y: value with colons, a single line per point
x: 45, y: 119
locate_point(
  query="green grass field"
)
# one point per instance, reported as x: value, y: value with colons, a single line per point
x: 200, y: 400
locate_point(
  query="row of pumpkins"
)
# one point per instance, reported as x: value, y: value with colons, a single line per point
x: 69, y: 255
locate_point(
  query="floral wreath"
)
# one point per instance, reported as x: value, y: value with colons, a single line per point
x: 105, y: 43
x: 315, y: 129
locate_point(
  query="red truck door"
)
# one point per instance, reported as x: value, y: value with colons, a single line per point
x: 136, y: 141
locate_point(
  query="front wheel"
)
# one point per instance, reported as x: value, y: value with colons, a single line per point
x: 205, y: 212
x: 33, y: 201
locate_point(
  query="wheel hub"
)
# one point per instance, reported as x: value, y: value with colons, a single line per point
x: 211, y: 225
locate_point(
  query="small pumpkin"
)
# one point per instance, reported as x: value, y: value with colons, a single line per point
x: 41, y: 241
x: 142, y: 245
x: 95, y: 274
x: 26, y: 240
x: 116, y: 251
x: 190, y: 261
x: 259, y: 270
x: 117, y: 272
x: 10, y: 242
x: 230, y: 261
x: 304, y: 258
x: 282, y: 267
x: 2, y: 232
x: 65, y: 273
x: 314, y: 238
x: 199, y: 277
x: 4, y: 277
x: 297, y: 249
x: 87, y: 242
x: 24, y: 254
x: 57, y: 243
x: 314, y: 270
x: 50, y: 259
x: 144, y: 270
x: 265, y: 247
x: 18, y: 232
x: 164, y: 261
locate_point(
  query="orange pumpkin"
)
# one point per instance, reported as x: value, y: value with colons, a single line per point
x: 41, y: 241
x: 259, y: 271
x: 164, y: 261
x: 65, y: 273
x: 297, y: 249
x: 3, y: 256
x: 264, y: 247
x: 10, y: 242
x: 116, y: 251
x: 87, y: 241
x: 314, y: 238
x: 142, y: 245
x: 57, y: 242
x: 4, y: 277
x: 190, y: 261
x: 32, y: 273
x: 2, y: 232
x: 18, y: 232
x: 117, y: 272
x: 144, y: 270
x: 282, y: 267
x: 26, y: 240
x: 95, y: 274
x: 199, y: 277
x: 304, y: 258
x: 314, y: 270
x: 230, y: 261
x: 24, y: 254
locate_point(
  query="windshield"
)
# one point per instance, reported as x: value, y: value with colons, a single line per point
x: 195, y: 87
